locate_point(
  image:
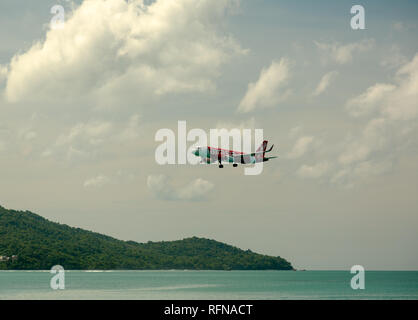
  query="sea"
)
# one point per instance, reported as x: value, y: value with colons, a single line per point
x: 208, y: 285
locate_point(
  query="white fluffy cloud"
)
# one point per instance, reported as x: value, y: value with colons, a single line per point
x: 391, y: 126
x: 343, y: 53
x: 325, y: 82
x: 269, y: 88
x: 162, y: 188
x: 85, y: 140
x: 393, y: 58
x: 301, y: 146
x: 92, y: 133
x: 402, y: 104
x: 117, y: 46
x: 314, y: 171
x: 81, y: 141
x: 96, y: 182
x: 373, y: 138
x: 389, y: 112
x: 370, y: 100
x: 132, y: 129
x: 3, y: 73
x: 245, y: 124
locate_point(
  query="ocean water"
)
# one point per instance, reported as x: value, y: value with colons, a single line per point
x: 208, y: 285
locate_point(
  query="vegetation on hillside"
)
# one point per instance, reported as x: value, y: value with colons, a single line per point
x: 41, y: 244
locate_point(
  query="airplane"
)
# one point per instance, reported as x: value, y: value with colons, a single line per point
x: 212, y: 155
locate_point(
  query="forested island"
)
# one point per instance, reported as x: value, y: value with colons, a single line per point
x: 31, y: 242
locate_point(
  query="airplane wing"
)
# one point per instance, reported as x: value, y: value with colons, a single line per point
x: 243, y: 158
x: 268, y: 158
x: 223, y: 156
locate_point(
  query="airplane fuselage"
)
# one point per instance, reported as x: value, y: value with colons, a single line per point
x: 217, y: 155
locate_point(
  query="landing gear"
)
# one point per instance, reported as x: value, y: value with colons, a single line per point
x: 235, y: 165
x: 220, y: 159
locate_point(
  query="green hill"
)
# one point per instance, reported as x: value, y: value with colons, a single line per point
x: 40, y: 244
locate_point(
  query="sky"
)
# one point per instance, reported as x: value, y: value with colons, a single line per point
x: 80, y: 106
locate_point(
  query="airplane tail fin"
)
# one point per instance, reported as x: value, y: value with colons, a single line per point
x: 263, y: 146
x: 262, y: 149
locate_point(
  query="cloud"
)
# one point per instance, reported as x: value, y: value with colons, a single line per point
x: 402, y: 26
x: 93, y: 133
x: 132, y: 129
x: 269, y: 88
x: 85, y: 140
x: 301, y: 147
x: 315, y: 171
x: 325, y: 82
x: 96, y: 182
x: 387, y: 117
x: 396, y: 101
x: 295, y: 131
x: 245, y: 124
x: 370, y: 100
x: 3, y: 73
x: 82, y: 141
x: 162, y: 188
x: 398, y: 26
x: 373, y: 138
x: 120, y: 177
x: 389, y: 129
x: 115, y: 47
x: 343, y: 54
x: 402, y: 104
x: 393, y: 58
